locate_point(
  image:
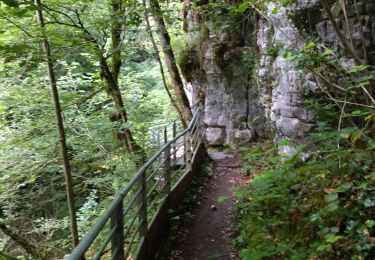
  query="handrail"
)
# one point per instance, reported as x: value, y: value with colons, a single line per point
x: 140, y: 183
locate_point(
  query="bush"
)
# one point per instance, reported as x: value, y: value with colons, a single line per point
x: 319, y: 209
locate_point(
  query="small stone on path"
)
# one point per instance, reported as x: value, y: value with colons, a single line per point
x: 216, y: 156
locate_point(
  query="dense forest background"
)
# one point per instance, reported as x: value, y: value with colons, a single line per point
x: 292, y: 89
x: 81, y: 38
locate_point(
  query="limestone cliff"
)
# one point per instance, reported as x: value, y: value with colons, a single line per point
x: 248, y: 88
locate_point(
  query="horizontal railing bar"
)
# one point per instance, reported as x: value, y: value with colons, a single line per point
x: 136, y: 231
x: 178, y: 123
x: 177, y: 175
x: 154, y: 201
x: 92, y: 234
x: 179, y: 169
x: 194, y: 133
x: 180, y: 179
x: 178, y: 159
x: 105, y: 244
x: 130, y: 204
x: 193, y: 128
x: 153, y: 188
x: 194, y: 142
x: 196, y: 149
x: 127, y: 230
x: 179, y: 147
x: 155, y: 171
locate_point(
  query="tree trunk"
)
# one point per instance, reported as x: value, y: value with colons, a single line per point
x: 5, y: 256
x: 29, y: 248
x: 149, y: 29
x: 185, y: 13
x: 178, y: 86
x: 59, y: 124
x: 111, y: 75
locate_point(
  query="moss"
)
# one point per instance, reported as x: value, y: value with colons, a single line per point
x: 189, y: 55
x: 187, y: 62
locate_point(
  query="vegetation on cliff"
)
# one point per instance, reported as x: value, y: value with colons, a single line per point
x: 317, y: 203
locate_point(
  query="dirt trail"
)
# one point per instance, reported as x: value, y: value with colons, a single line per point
x: 208, y: 234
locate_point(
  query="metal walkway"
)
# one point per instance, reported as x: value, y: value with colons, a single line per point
x: 133, y: 225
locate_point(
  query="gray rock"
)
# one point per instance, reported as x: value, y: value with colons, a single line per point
x: 271, y: 97
x: 242, y: 137
x: 217, y: 156
x: 214, y: 136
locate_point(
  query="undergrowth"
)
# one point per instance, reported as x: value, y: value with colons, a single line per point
x: 322, y: 208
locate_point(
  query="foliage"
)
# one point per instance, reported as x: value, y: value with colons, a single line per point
x: 32, y: 191
x: 320, y: 208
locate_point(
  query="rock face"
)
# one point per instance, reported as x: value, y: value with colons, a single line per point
x: 243, y: 102
x: 290, y: 117
x: 225, y: 102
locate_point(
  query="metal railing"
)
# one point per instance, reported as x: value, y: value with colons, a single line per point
x: 121, y: 231
x: 156, y: 135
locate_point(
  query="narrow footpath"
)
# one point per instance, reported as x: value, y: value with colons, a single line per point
x: 209, y: 233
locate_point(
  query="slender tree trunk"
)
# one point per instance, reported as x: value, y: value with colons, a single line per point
x: 111, y: 75
x: 178, y: 86
x: 59, y: 125
x: 154, y: 45
x: 185, y: 13
x: 124, y: 135
x: 5, y: 256
x: 340, y: 35
x: 109, y: 71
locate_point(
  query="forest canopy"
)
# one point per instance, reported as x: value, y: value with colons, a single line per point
x: 110, y: 93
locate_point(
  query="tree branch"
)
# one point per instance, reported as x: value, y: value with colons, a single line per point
x: 29, y: 248
x: 5, y: 256
x: 340, y: 34
x: 18, y: 26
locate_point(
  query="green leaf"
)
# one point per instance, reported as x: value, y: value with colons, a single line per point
x: 327, y: 53
x: 344, y: 187
x: 289, y: 55
x: 309, y: 46
x: 332, y: 239
x: 242, y: 7
x: 358, y: 68
x: 314, y: 217
x: 331, y: 197
x: 324, y: 248
x: 369, y: 203
x: 370, y: 223
x: 11, y: 3
x: 275, y: 10
x: 286, y: 142
x: 222, y: 199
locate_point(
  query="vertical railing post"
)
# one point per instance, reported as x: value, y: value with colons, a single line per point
x: 117, y: 243
x: 174, y: 133
x: 167, y: 165
x: 165, y: 135
x: 142, y: 217
x: 158, y: 139
x: 187, y: 147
